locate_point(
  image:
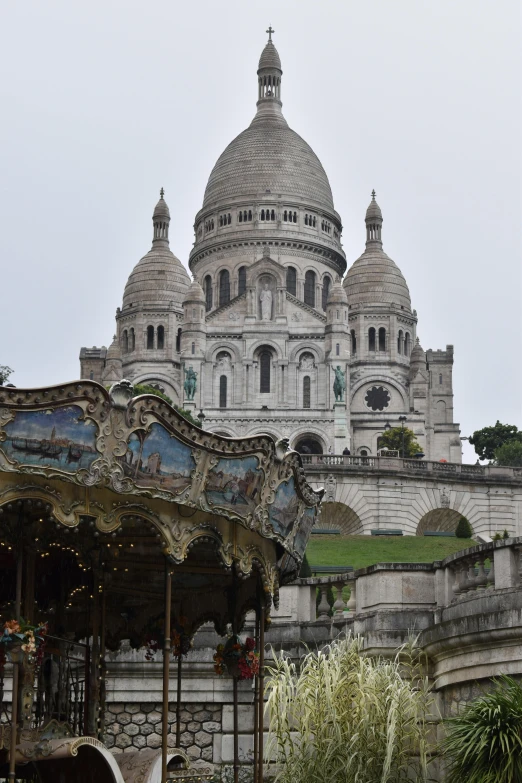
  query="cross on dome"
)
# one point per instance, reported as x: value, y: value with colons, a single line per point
x: 162, y: 193
x: 270, y: 31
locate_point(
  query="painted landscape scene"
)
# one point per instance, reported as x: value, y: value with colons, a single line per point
x: 305, y: 526
x: 283, y: 511
x: 60, y: 437
x: 234, y: 484
x: 156, y: 458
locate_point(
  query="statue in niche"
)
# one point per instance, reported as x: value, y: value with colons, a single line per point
x: 190, y: 384
x: 307, y: 362
x: 223, y: 361
x: 265, y: 298
x: 339, y: 384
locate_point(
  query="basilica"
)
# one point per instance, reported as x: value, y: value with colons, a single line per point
x: 273, y: 335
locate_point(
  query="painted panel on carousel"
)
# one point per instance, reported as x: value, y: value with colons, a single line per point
x: 283, y: 511
x: 156, y: 458
x: 61, y: 437
x: 235, y: 484
x: 303, y: 534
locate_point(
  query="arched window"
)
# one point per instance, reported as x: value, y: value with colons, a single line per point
x: 407, y: 341
x: 291, y: 280
x: 222, y: 391
x: 265, y: 363
x: 262, y: 214
x: 371, y: 339
x: 326, y: 291
x: 440, y: 379
x: 382, y: 339
x: 272, y: 216
x: 125, y: 341
x: 208, y: 292
x: 193, y: 348
x: 91, y: 375
x: 337, y: 349
x: 178, y: 341
x: 285, y: 215
x: 309, y: 288
x: 306, y: 220
x: 250, y: 214
x: 400, y: 341
x: 240, y: 217
x: 150, y: 337
x: 132, y: 339
x: 161, y: 337
x: 306, y: 391
x: 224, y: 287
x: 241, y: 280
x: 354, y: 341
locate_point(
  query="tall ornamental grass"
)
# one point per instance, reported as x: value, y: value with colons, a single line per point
x: 484, y: 743
x: 344, y: 718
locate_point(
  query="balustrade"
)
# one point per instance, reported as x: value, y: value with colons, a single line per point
x: 393, y: 462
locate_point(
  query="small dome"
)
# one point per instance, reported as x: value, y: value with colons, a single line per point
x: 114, y: 352
x: 161, y: 209
x: 159, y: 278
x: 194, y: 293
x: 375, y: 279
x: 270, y: 57
x: 417, y: 355
x: 374, y: 211
x: 337, y: 294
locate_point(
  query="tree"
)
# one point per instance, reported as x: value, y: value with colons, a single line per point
x: 487, y: 440
x: 393, y: 439
x: 484, y: 743
x: 463, y: 529
x: 510, y: 453
x: 143, y: 388
x: 5, y: 372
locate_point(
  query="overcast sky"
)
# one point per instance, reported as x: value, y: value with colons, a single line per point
x: 105, y: 101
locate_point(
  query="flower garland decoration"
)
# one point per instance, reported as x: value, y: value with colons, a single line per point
x: 181, y: 640
x: 18, y: 634
x: 240, y: 660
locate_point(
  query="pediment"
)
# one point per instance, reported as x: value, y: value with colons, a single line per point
x: 266, y: 264
x: 227, y: 313
x: 295, y: 308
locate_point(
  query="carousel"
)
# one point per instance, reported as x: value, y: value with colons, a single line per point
x: 120, y: 520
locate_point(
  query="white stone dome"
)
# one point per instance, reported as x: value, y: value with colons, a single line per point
x: 269, y: 157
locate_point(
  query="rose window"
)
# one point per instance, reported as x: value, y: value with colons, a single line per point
x: 377, y: 398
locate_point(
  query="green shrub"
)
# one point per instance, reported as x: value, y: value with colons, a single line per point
x: 484, y: 743
x: 505, y: 534
x: 463, y: 529
x: 143, y: 388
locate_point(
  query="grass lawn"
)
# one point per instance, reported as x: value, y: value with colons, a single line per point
x: 360, y: 551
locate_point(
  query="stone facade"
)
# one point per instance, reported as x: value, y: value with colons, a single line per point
x: 267, y: 321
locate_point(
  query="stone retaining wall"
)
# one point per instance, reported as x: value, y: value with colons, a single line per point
x: 132, y: 726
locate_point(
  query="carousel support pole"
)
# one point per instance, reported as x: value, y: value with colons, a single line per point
x: 166, y: 662
x: 236, y: 734
x: 178, y: 703
x: 256, y: 708
x: 261, y: 695
x: 102, y: 668
x: 14, y: 695
x: 94, y: 689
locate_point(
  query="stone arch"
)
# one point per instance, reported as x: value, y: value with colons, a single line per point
x: 439, y: 519
x: 222, y: 432
x: 375, y: 379
x: 254, y: 350
x: 223, y: 345
x: 305, y: 347
x: 161, y: 379
x: 339, y: 516
x: 309, y: 442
